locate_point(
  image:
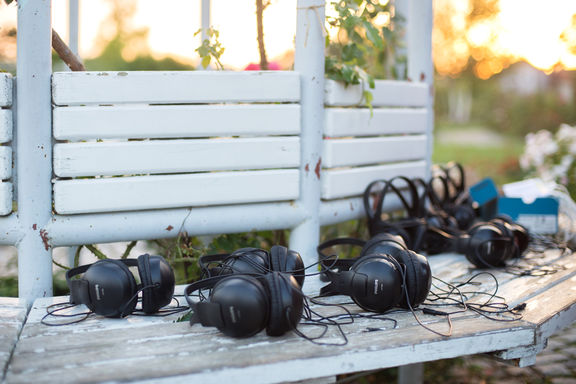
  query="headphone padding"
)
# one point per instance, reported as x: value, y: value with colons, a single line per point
x: 118, y: 284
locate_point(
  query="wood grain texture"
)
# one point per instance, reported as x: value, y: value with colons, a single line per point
x: 175, y: 121
x: 172, y: 87
x: 382, y: 121
x: 12, y: 318
x: 337, y: 183
x: 387, y: 93
x: 6, y: 125
x: 175, y: 156
x: 170, y: 191
x: 374, y: 150
x: 5, y: 89
x: 157, y: 350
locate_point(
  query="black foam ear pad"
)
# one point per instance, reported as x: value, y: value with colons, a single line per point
x: 286, y: 303
x: 418, y: 278
x: 157, y: 282
x: 112, y: 288
x: 376, y: 284
x: 243, y: 306
x: 286, y: 260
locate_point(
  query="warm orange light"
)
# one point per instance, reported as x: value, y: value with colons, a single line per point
x: 498, y: 33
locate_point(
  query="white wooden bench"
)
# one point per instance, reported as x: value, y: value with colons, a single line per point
x: 157, y: 349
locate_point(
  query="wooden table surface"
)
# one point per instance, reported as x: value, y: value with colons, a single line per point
x: 160, y: 349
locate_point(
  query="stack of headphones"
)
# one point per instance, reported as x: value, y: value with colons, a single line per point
x: 249, y: 290
x: 385, y: 275
x: 439, y: 217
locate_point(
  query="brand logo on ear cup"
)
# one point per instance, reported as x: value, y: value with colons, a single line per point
x: 97, y: 290
x: 234, y: 314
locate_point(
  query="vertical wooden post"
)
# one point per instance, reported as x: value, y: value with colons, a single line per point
x: 309, y: 63
x: 419, y: 19
x: 34, y: 148
x: 73, y: 26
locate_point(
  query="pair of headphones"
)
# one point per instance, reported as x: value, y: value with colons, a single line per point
x: 241, y: 305
x: 108, y: 287
x: 412, y: 226
x: 254, y: 261
x: 486, y: 244
x: 385, y: 275
x: 447, y: 193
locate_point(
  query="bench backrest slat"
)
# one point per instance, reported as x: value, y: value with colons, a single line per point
x: 6, y: 128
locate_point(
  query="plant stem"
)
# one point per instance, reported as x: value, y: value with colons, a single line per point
x: 64, y: 52
x: 260, y: 24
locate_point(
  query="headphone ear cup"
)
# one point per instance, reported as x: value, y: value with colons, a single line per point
x: 418, y: 278
x: 286, y: 303
x: 393, y: 229
x: 112, y: 288
x: 488, y: 245
x: 286, y: 260
x: 376, y: 284
x: 244, y: 305
x: 464, y: 215
x: 158, y: 282
x: 384, y: 243
x: 246, y: 260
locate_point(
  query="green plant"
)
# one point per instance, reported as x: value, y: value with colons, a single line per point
x: 363, y: 42
x: 210, y: 48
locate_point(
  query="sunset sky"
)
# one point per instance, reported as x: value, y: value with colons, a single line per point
x: 528, y: 30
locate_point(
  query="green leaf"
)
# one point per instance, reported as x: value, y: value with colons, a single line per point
x: 206, y: 61
x: 372, y: 34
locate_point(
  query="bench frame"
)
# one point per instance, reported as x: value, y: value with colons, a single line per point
x: 35, y: 228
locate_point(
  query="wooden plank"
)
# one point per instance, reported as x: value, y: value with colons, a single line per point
x: 5, y: 198
x: 175, y: 156
x: 77, y: 354
x: 382, y: 121
x: 169, y: 191
x: 338, y: 183
x: 175, y: 121
x: 5, y: 89
x: 6, y: 125
x: 350, y: 152
x: 12, y: 316
x: 5, y: 162
x: 387, y: 93
x: 171, y: 87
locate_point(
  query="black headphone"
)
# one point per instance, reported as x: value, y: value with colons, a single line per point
x: 486, y: 244
x: 385, y: 275
x: 242, y: 305
x: 456, y: 201
x: 412, y: 227
x: 254, y: 260
x: 108, y: 288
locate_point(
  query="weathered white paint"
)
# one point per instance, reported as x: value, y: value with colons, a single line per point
x: 34, y: 147
x: 166, y: 121
x: 363, y: 151
x: 338, y: 183
x: 170, y: 191
x: 309, y: 63
x: 6, y: 125
x: 73, y: 25
x: 5, y: 162
x: 381, y: 121
x: 12, y: 317
x: 74, y: 88
x: 6, y: 197
x: 387, y: 93
x: 174, y: 156
x: 159, y: 224
x: 5, y: 89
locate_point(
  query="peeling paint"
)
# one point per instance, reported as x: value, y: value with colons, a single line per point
x: 34, y: 227
x: 122, y: 73
x: 307, y: 168
x: 317, y: 169
x: 422, y: 77
x: 44, y: 236
x: 169, y: 228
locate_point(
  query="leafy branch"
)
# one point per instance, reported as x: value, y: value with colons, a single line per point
x: 360, y: 42
x: 211, y: 48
